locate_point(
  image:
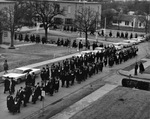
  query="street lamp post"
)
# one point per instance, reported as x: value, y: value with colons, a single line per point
x: 11, y: 15
x: 105, y: 29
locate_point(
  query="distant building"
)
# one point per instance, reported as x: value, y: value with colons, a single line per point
x: 130, y: 21
x: 71, y: 8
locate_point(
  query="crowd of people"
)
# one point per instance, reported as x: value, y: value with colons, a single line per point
x: 67, y: 72
x: 30, y: 38
x: 119, y: 34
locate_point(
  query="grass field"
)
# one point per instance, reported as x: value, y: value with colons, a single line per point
x: 31, y: 54
x: 120, y: 103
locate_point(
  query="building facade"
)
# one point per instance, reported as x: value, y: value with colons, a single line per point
x: 130, y: 21
x: 71, y: 8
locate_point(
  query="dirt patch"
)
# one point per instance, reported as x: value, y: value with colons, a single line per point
x: 128, y: 68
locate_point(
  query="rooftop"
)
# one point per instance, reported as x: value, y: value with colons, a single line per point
x: 126, y: 17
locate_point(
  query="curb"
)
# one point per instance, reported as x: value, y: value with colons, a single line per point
x: 132, y: 76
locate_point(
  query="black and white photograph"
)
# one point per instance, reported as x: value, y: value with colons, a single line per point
x: 74, y: 59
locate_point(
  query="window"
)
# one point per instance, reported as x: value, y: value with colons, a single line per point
x: 57, y: 7
x: 28, y: 70
x: 140, y: 24
x: 132, y: 23
x: 58, y: 21
x: 80, y: 8
x: 69, y: 9
x: 68, y: 21
x: 115, y: 21
x: 5, y: 34
x: 127, y: 23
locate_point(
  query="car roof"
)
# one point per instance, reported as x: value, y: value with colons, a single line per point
x: 88, y: 51
x: 124, y: 43
x: 129, y: 41
x: 23, y: 68
x: 116, y: 43
x: 99, y: 48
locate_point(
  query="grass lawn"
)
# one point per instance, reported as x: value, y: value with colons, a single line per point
x: 120, y: 103
x: 31, y: 54
x: 147, y: 70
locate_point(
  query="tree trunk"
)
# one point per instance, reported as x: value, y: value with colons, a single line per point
x: 86, y: 39
x: 46, y: 31
x: 12, y: 40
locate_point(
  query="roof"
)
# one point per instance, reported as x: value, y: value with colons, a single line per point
x: 125, y: 17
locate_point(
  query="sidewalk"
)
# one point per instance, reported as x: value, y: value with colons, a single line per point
x: 85, y: 102
x: 144, y: 76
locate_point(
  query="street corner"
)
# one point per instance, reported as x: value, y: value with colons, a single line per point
x: 125, y: 73
x: 130, y: 74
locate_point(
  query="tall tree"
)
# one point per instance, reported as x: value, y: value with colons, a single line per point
x: 85, y: 19
x: 12, y: 17
x: 46, y: 11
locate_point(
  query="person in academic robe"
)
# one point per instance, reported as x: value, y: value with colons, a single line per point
x: 135, y: 68
x: 141, y: 68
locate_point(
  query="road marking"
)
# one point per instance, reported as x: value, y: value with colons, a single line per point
x: 85, y: 102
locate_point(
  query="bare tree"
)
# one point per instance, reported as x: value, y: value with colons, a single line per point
x: 46, y: 11
x: 11, y: 19
x: 85, y: 19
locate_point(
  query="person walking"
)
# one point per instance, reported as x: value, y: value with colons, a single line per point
x: 5, y: 66
x: 141, y: 68
x: 28, y: 79
x: 12, y: 86
x: 33, y: 79
x: 136, y: 68
x: 6, y: 85
x: 10, y: 102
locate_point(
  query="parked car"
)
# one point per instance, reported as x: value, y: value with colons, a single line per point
x: 125, y: 45
x: 118, y: 45
x: 84, y: 52
x: 133, y: 42
x: 141, y: 39
x: 100, y: 49
x: 136, y: 40
x: 19, y: 74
